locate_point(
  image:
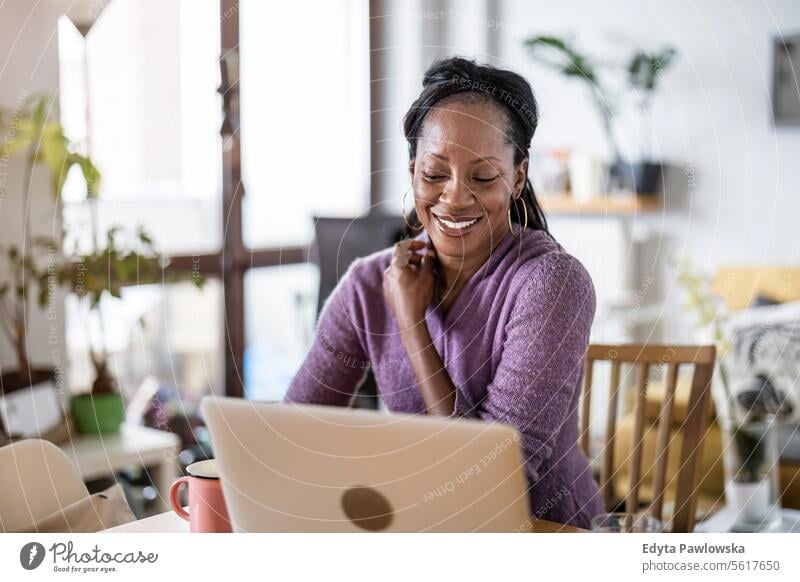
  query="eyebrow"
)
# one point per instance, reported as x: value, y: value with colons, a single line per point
x: 475, y: 161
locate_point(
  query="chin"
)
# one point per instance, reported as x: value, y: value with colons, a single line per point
x: 472, y: 243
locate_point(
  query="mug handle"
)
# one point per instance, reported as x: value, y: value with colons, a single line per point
x: 173, y: 497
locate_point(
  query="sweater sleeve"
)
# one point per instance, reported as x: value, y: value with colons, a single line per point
x: 547, y: 335
x: 337, y: 361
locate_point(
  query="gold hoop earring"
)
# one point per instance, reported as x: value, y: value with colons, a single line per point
x: 524, y: 213
x: 405, y: 218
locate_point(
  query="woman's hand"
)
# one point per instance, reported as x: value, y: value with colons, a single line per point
x: 408, y: 285
x: 408, y: 282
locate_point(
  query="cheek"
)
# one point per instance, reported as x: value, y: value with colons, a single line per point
x: 425, y: 194
x: 496, y: 205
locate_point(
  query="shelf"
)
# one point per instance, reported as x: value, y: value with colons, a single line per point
x: 600, y: 206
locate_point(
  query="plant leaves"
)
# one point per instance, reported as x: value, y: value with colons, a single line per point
x: 90, y: 174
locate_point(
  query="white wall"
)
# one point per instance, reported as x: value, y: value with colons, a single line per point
x: 29, y: 65
x: 732, y: 196
x: 712, y: 118
x: 405, y: 38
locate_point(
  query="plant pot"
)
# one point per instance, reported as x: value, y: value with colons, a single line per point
x: 98, y: 413
x: 12, y: 381
x: 751, y: 473
x: 641, y: 178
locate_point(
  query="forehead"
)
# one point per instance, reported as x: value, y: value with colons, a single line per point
x: 458, y: 129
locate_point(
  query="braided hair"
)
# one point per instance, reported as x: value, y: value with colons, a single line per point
x: 458, y: 78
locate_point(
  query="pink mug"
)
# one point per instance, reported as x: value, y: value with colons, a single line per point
x: 207, y: 510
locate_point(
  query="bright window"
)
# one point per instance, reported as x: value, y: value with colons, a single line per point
x: 305, y: 116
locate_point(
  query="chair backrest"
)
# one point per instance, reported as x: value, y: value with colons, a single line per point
x: 692, y: 426
x: 339, y: 241
x: 37, y: 479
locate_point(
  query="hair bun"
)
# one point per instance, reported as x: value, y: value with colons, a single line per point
x: 445, y: 70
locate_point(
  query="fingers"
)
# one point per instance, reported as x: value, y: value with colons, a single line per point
x: 407, y: 253
x: 418, y: 258
x: 427, y: 261
x: 402, y: 254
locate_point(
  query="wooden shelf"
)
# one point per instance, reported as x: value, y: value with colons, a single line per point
x: 602, y: 205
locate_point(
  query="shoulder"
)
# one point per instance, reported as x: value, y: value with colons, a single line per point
x: 549, y: 274
x: 361, y: 285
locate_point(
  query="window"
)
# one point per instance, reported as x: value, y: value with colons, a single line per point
x: 280, y: 311
x: 167, y: 333
x: 305, y: 116
x: 140, y: 93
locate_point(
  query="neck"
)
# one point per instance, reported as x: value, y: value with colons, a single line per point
x: 456, y: 270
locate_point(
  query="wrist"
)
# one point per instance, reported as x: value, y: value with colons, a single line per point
x: 407, y: 320
x: 412, y: 327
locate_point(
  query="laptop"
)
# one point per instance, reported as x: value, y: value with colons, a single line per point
x: 309, y: 468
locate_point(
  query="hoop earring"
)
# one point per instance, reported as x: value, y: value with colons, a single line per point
x: 405, y: 218
x: 524, y: 212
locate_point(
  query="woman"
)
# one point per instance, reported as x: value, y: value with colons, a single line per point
x: 482, y: 314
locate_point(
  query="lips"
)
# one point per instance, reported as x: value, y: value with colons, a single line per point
x: 455, y: 225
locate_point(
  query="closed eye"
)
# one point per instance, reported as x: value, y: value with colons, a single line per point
x: 486, y: 180
x: 433, y: 177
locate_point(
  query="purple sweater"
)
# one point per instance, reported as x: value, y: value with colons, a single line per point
x: 513, y: 343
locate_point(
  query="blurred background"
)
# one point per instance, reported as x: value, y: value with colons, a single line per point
x: 258, y: 146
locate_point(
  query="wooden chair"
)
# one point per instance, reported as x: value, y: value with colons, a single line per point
x: 692, y: 427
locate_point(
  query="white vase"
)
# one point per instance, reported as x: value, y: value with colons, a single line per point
x: 754, y: 505
x: 585, y: 176
x: 751, y: 475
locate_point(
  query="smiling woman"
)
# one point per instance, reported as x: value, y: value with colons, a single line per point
x: 484, y: 313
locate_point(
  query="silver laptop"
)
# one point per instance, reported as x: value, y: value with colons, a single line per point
x: 303, y: 468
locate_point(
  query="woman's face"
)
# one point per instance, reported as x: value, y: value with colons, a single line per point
x: 463, y: 177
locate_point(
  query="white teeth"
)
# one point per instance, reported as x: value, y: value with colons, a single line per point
x: 457, y: 225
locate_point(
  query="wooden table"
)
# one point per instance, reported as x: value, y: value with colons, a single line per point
x: 169, y: 522
x: 133, y: 446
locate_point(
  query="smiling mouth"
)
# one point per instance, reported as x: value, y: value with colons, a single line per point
x: 456, y: 225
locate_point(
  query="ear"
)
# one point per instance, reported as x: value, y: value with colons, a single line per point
x: 521, y: 176
x: 411, y: 168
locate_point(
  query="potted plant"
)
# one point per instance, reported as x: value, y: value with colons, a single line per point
x: 643, y: 72
x: 748, y: 411
x: 124, y: 260
x: 34, y: 267
x: 641, y: 78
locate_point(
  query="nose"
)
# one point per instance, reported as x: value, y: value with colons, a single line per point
x: 456, y: 195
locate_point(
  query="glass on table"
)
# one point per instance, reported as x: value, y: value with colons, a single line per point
x: 621, y: 522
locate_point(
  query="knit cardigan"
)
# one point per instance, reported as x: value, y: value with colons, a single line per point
x: 513, y: 343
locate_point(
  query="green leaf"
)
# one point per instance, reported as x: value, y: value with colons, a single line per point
x: 33, y: 129
x: 39, y: 111
x: 44, y: 295
x: 90, y: 174
x: 644, y: 68
x: 24, y: 135
x: 568, y: 61
x: 144, y: 237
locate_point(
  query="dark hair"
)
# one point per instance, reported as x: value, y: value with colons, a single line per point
x: 461, y: 78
